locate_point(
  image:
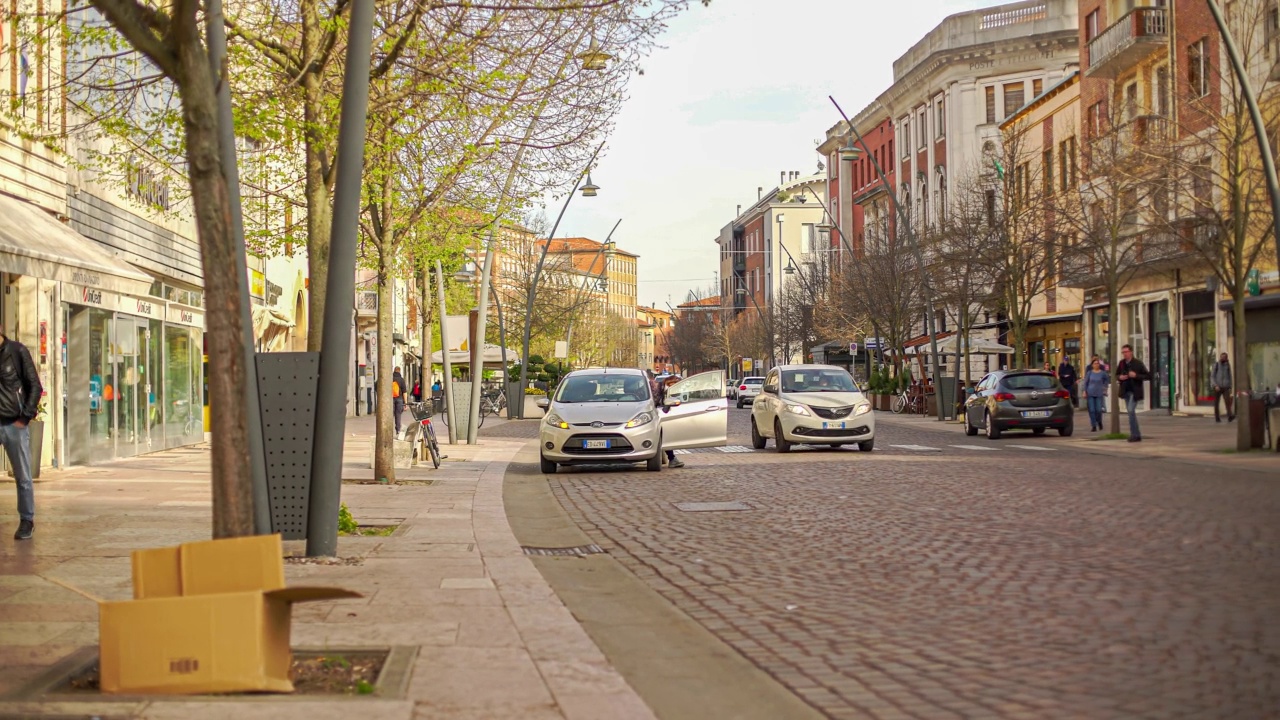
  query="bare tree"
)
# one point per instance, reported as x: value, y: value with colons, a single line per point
x: 880, y: 288
x: 961, y: 280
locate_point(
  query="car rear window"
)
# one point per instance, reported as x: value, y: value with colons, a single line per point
x: 1030, y: 382
x: 753, y: 381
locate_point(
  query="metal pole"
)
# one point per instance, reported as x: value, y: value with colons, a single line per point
x: 502, y: 340
x: 451, y: 418
x: 1255, y: 114
x: 217, y: 34
x: 804, y: 282
x: 925, y: 286
x: 568, y: 340
x: 537, y: 271
x: 335, y: 349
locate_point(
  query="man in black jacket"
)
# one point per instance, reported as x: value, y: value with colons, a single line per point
x: 20, y: 392
x: 1131, y: 373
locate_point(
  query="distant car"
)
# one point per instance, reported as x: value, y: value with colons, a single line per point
x: 748, y: 389
x: 1019, y: 400
x: 812, y: 405
x: 608, y: 416
x: 731, y: 389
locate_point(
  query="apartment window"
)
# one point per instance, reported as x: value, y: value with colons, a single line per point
x: 923, y: 129
x: 1272, y: 29
x: 1198, y: 67
x: 1013, y: 97
x: 906, y: 135
x: 1162, y: 91
x: 1037, y: 88
x: 1094, y: 124
x: 990, y: 198
x: 806, y: 238
x: 940, y: 117
x: 991, y: 104
x: 1071, y: 147
x: 1047, y: 158
x: 1131, y: 101
x: 1062, y: 165
x: 1091, y: 26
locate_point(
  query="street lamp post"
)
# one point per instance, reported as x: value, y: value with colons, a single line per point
x: 773, y: 359
x: 589, y: 189
x: 925, y: 286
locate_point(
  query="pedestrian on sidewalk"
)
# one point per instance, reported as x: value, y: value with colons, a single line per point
x: 659, y: 401
x: 1131, y: 373
x: 397, y: 397
x: 1221, y: 379
x: 1096, y: 382
x: 1067, y: 376
x: 20, y: 392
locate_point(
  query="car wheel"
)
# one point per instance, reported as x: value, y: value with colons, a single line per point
x: 548, y: 467
x: 1066, y: 431
x: 1038, y: 431
x: 867, y: 445
x: 993, y: 432
x: 969, y: 429
x: 739, y: 404
x: 779, y: 441
x: 654, y: 464
x: 757, y: 440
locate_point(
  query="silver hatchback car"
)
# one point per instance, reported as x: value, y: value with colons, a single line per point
x: 1019, y: 400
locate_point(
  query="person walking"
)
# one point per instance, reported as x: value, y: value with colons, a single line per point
x: 1221, y: 379
x: 397, y: 397
x: 1131, y: 373
x: 659, y: 400
x: 1067, y: 376
x: 1096, y: 381
x: 20, y: 392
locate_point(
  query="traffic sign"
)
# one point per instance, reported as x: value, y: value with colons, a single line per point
x: 853, y: 348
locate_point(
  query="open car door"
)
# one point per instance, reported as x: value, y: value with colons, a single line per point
x: 696, y: 413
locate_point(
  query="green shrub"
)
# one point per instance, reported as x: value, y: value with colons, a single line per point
x: 346, y: 523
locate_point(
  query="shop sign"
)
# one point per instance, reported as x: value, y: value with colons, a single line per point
x: 257, y: 284
x: 91, y: 296
x: 183, y: 316
x: 145, y: 186
x: 151, y: 307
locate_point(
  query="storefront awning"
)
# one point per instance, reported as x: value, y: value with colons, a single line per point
x: 270, y: 328
x: 33, y: 243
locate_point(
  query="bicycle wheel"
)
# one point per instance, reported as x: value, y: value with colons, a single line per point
x: 483, y: 411
x: 433, y: 447
x: 899, y: 404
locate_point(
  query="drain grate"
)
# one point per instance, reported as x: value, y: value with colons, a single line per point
x: 579, y: 551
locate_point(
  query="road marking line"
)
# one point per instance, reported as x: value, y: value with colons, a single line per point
x: 974, y: 447
x: 1034, y: 447
x: 917, y: 448
x: 682, y: 452
x: 734, y: 449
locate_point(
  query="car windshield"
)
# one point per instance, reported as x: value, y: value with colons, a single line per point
x: 602, y: 388
x: 825, y: 380
x: 1030, y: 382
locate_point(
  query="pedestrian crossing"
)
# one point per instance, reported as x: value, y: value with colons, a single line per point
x: 908, y: 448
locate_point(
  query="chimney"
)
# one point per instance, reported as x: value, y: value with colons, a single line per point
x: 759, y: 193
x: 738, y: 211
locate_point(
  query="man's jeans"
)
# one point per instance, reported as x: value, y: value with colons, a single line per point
x: 1225, y: 395
x: 1095, y: 409
x: 17, y: 445
x: 397, y: 409
x: 1131, y: 403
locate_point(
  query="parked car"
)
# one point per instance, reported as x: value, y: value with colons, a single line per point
x: 608, y: 416
x: 731, y: 389
x: 811, y: 405
x: 1019, y: 400
x: 748, y: 389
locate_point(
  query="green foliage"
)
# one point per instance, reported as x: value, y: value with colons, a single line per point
x: 537, y: 360
x: 346, y: 523
x: 364, y: 687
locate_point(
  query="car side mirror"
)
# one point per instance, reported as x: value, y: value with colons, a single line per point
x: 543, y: 403
x: 771, y: 389
x: 671, y: 402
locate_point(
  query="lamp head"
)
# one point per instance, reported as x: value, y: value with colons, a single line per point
x: 590, y: 189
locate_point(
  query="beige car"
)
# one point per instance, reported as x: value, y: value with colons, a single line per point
x: 812, y: 405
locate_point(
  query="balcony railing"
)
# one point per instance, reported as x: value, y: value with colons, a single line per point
x: 1137, y: 34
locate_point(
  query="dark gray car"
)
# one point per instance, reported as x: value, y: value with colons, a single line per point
x: 1019, y: 400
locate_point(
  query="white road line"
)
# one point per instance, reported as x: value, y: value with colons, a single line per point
x: 682, y: 452
x: 917, y: 448
x: 974, y: 447
x: 1041, y: 448
x: 734, y: 449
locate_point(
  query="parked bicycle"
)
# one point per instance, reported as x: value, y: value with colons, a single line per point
x: 909, y: 401
x: 426, y: 439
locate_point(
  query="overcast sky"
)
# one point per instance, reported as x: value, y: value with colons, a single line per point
x: 737, y: 94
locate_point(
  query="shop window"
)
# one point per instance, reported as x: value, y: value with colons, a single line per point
x: 1264, y: 365
x: 1201, y: 356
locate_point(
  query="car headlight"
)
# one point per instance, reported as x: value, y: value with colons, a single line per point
x: 797, y: 409
x: 556, y: 421
x: 643, y: 418
x: 862, y: 409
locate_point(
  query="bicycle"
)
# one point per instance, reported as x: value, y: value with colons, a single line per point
x: 444, y: 415
x: 426, y: 433
x: 911, y: 402
x: 493, y: 403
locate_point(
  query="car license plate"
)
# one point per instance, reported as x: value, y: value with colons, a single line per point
x: 832, y: 426
x: 1036, y: 413
x: 595, y: 444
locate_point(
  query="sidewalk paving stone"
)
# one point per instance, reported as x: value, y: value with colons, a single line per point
x: 495, y: 640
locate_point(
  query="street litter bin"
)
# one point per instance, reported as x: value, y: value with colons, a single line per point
x: 947, y: 396
x: 1257, y: 416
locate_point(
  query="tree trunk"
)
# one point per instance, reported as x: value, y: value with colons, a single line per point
x: 384, y: 454
x: 1113, y: 312
x: 319, y: 217
x: 231, y: 477
x: 1240, y: 383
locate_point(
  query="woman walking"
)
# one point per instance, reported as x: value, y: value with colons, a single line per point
x: 1096, y: 382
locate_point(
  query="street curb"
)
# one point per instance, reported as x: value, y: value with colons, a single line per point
x: 678, y: 667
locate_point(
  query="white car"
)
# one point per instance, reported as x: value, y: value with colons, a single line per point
x: 811, y: 405
x: 748, y: 389
x: 608, y: 416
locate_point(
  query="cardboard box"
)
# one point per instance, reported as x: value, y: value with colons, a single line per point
x: 208, y: 617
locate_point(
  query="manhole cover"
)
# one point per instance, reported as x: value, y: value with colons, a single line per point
x: 734, y: 506
x: 579, y: 551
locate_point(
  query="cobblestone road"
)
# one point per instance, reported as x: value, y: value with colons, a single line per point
x: 933, y: 578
